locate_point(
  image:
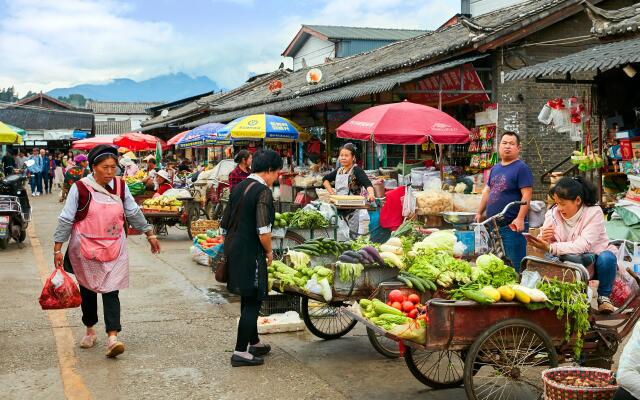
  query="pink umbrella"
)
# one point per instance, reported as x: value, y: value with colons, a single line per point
x: 404, y: 123
x: 137, y: 141
x: 174, y: 140
x: 90, y: 143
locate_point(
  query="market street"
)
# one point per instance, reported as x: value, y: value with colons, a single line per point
x: 178, y: 343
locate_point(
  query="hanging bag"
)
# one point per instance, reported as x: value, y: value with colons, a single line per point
x: 60, y: 291
x: 222, y: 269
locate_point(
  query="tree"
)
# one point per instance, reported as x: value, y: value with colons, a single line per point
x: 76, y: 100
x: 8, y: 95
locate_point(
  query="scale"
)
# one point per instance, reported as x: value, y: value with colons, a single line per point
x: 463, y: 224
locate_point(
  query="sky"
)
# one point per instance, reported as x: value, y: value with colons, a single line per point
x: 47, y: 44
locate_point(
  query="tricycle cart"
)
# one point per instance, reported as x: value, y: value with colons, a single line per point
x: 181, y: 218
x: 330, y: 320
x: 499, y: 351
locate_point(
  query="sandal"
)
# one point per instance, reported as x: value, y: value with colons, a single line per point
x: 114, y: 347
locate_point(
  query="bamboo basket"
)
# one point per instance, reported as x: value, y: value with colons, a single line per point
x: 203, y: 225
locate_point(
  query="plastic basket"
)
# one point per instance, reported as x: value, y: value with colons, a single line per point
x: 556, y: 391
x: 278, y: 303
x: 203, y: 225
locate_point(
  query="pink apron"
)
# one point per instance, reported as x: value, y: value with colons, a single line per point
x: 97, y: 248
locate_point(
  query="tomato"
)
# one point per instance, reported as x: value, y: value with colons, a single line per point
x: 397, y: 305
x: 413, y: 313
x: 389, y: 303
x: 395, y: 295
x: 408, y: 306
x: 414, y: 298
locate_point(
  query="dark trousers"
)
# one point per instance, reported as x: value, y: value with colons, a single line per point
x: 622, y: 394
x: 248, y: 325
x: 110, y: 303
x: 47, y: 180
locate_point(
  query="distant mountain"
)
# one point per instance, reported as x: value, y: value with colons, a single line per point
x: 161, y: 88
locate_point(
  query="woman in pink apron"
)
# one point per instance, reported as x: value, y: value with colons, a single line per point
x: 93, y: 221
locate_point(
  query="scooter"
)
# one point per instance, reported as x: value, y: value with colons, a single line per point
x: 15, y: 209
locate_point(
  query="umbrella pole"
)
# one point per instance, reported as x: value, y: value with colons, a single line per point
x: 404, y: 162
x: 441, y: 150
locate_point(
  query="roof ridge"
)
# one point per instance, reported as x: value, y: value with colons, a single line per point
x: 366, y: 27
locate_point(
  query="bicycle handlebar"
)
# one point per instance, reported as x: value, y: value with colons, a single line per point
x: 501, y: 214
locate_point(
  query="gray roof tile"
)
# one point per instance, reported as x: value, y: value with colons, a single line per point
x: 622, y: 21
x: 32, y: 119
x: 117, y: 107
x: 359, y: 33
x: 113, y: 127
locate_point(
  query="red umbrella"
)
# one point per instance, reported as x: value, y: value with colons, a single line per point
x: 137, y: 141
x: 404, y: 123
x: 176, y: 138
x: 90, y: 143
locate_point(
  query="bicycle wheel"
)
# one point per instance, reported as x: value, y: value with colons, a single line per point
x: 436, y: 369
x: 326, y: 321
x: 383, y: 345
x: 509, y: 358
x: 280, y: 246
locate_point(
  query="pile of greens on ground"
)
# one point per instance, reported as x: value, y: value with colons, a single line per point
x: 301, y: 219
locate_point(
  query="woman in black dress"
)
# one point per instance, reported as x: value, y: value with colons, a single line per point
x: 247, y: 223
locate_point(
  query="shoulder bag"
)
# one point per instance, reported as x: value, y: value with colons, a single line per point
x: 222, y: 269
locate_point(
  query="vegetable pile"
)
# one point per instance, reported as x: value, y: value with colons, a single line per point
x: 208, y: 239
x: 322, y: 246
x: 301, y: 219
x: 299, y: 274
x: 404, y: 317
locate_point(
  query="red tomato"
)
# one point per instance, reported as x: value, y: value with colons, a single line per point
x: 408, y: 306
x: 395, y: 295
x: 413, y: 313
x: 396, y: 304
x: 389, y: 303
x: 414, y: 298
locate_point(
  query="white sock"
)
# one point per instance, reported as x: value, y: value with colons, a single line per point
x: 244, y: 354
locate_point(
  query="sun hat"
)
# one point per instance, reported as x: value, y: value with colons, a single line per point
x: 164, y: 174
x: 130, y: 155
x: 80, y: 158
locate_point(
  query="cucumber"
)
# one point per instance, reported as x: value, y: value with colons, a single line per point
x: 405, y: 280
x: 417, y: 284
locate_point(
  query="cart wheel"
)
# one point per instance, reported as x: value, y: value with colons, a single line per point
x: 436, y: 369
x: 509, y: 357
x: 160, y: 229
x: 383, y: 345
x: 23, y: 236
x: 326, y: 321
x: 291, y: 239
x: 192, y: 215
x: 4, y: 243
x: 217, y: 211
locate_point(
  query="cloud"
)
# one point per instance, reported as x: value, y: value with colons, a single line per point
x: 50, y: 43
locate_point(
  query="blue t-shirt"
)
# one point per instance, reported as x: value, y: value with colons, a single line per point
x: 505, y: 182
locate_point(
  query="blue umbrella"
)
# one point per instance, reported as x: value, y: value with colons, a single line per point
x: 203, y: 136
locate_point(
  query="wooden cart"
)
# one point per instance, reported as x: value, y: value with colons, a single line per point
x: 499, y: 351
x: 181, y: 218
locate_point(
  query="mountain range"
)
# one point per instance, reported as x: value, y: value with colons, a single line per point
x: 164, y: 88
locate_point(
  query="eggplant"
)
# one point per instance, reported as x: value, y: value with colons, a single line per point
x: 348, y: 259
x: 354, y: 254
x: 366, y: 257
x: 373, y: 253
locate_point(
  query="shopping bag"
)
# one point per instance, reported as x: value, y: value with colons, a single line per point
x: 60, y: 291
x: 624, y: 286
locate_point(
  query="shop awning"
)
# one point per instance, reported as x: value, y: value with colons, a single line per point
x: 371, y: 86
x: 601, y: 57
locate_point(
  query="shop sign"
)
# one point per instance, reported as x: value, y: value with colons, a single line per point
x: 450, y: 81
x: 275, y: 86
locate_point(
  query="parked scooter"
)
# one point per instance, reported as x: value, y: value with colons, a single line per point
x: 15, y: 209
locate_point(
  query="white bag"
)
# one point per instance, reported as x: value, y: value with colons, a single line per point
x: 408, y: 202
x: 481, y: 239
x: 198, y: 256
x: 343, y: 231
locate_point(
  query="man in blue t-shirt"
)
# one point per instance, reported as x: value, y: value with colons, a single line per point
x: 510, y: 180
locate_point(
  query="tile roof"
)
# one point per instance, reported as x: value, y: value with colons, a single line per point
x: 622, y: 21
x: 376, y: 85
x: 41, y: 96
x: 461, y: 37
x: 32, y: 119
x: 118, y: 107
x: 113, y: 127
x: 600, y: 57
x: 355, y: 33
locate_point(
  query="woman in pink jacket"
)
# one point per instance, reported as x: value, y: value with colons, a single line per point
x: 574, y: 230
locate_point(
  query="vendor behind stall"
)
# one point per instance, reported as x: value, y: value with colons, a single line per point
x: 242, y: 170
x: 163, y: 180
x: 349, y: 179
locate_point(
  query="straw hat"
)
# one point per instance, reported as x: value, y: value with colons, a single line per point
x: 130, y: 156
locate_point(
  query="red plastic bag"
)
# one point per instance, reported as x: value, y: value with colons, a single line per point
x: 60, y: 291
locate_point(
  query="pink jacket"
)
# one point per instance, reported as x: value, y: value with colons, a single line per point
x: 588, y: 236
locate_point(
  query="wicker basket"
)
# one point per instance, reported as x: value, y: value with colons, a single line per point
x: 557, y: 391
x: 203, y: 225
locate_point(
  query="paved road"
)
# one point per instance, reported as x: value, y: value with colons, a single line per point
x: 178, y: 340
